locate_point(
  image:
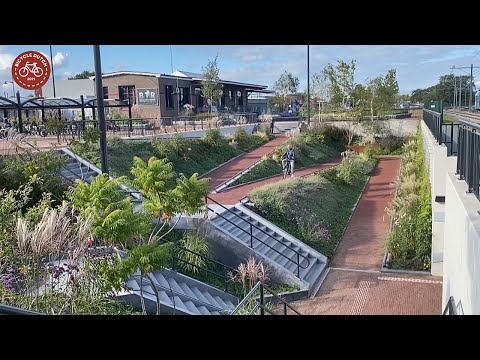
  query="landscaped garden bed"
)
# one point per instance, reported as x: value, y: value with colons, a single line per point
x: 410, y: 239
x: 316, y: 209
x: 316, y: 145
x: 188, y: 156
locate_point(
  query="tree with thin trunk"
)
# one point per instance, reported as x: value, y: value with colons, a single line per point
x: 211, y: 85
x: 341, y: 77
x: 320, y: 89
x: 287, y: 84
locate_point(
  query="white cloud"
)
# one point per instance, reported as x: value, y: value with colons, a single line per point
x: 6, y: 61
x: 59, y: 59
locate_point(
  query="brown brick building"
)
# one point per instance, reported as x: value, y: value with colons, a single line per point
x: 164, y: 95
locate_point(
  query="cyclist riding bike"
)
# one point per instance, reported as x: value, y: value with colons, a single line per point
x: 288, y: 159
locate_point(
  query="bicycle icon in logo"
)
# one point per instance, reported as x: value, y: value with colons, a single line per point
x: 30, y: 68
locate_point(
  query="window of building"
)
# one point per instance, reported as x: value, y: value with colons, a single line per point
x: 127, y: 92
x: 230, y: 94
x: 184, y: 96
x: 105, y: 92
x: 169, y: 96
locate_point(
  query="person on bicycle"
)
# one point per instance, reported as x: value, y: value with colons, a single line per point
x: 289, y: 155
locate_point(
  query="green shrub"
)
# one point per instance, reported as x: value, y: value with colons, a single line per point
x: 193, y: 242
x: 240, y: 135
x: 410, y: 239
x: 391, y: 143
x: 213, y: 137
x: 315, y: 209
x: 91, y: 136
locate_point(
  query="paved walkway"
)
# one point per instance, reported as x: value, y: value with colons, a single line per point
x: 233, y: 196
x: 234, y: 167
x: 354, y: 284
x: 363, y: 243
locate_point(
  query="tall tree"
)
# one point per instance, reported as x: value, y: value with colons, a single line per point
x: 211, y: 85
x: 341, y: 78
x: 83, y: 75
x: 285, y: 85
x: 444, y: 90
x: 320, y: 89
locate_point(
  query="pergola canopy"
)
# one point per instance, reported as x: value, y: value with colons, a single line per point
x: 55, y: 103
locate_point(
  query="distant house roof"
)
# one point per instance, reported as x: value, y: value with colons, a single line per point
x: 184, y: 75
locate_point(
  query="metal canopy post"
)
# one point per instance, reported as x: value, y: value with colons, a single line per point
x: 20, y: 122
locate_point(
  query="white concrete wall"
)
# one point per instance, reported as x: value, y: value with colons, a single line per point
x: 461, y: 265
x: 399, y: 127
x: 438, y: 164
x: 224, y: 131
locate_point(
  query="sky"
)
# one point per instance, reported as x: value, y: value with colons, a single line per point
x: 418, y: 66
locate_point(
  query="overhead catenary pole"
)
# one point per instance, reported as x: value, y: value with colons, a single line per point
x: 308, y: 85
x: 100, y: 108
x: 471, y: 89
x: 459, y: 103
x: 455, y: 93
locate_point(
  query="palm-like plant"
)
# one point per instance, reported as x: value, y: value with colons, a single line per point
x: 114, y: 219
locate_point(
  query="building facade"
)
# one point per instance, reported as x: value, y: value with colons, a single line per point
x: 159, y: 95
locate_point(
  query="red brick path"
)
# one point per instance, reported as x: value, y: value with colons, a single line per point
x: 234, y: 167
x: 233, y: 196
x: 368, y: 293
x: 363, y: 244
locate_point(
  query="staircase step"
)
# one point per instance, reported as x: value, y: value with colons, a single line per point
x: 203, y: 310
x: 161, y: 279
x: 191, y: 306
x: 220, y: 301
x: 179, y: 303
x: 199, y: 295
x: 187, y: 291
x: 175, y: 287
x: 210, y: 299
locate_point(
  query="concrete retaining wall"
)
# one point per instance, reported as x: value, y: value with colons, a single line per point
x: 461, y: 265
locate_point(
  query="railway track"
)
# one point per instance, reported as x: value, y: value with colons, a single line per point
x: 465, y: 115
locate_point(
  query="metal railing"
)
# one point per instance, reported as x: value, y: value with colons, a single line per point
x: 445, y: 133
x: 224, y: 276
x: 146, y: 126
x: 450, y: 307
x: 297, y: 255
x: 176, y: 293
x: 260, y: 302
x: 12, y: 310
x: 468, y: 160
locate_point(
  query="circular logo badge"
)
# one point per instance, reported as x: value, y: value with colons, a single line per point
x: 31, y: 70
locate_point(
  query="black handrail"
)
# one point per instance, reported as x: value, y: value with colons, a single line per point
x: 261, y: 303
x: 468, y: 164
x: 253, y: 236
x: 174, y: 292
x: 449, y: 308
x: 226, y: 268
x: 12, y: 310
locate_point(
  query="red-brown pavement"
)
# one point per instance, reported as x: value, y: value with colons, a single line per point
x: 363, y: 244
x: 234, y: 167
x: 354, y: 284
x: 234, y: 195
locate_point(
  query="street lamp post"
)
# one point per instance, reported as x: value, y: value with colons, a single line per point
x: 101, y: 111
x: 308, y: 84
x: 13, y: 85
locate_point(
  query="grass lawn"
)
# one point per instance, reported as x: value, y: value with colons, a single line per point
x: 311, y: 153
x: 188, y: 156
x: 314, y: 209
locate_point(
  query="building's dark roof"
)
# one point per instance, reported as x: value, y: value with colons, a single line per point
x: 180, y: 74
